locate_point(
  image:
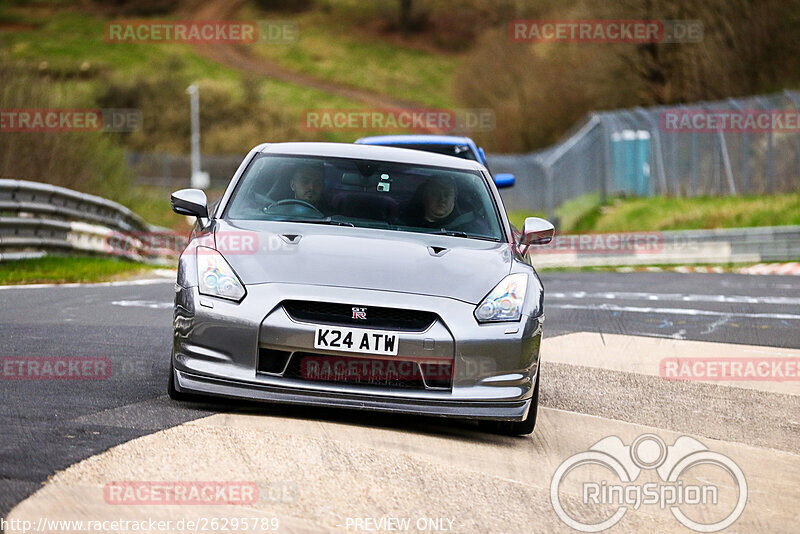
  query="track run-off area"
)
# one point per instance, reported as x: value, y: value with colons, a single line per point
x: 636, y: 408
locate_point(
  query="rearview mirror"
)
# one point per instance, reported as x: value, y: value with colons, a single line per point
x: 503, y: 180
x: 536, y: 231
x: 191, y: 202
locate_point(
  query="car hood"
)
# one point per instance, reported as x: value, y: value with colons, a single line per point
x: 298, y: 253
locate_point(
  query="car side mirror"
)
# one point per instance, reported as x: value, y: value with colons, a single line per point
x: 536, y: 231
x: 191, y: 202
x: 503, y: 180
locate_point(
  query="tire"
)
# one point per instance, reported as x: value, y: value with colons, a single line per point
x: 518, y: 428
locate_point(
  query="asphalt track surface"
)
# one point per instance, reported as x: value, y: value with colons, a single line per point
x: 49, y: 425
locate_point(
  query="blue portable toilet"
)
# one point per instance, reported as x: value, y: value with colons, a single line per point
x: 630, y: 154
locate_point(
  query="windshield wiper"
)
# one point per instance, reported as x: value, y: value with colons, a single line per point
x: 450, y: 233
x: 320, y: 221
x: 455, y: 233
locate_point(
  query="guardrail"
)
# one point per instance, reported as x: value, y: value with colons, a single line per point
x: 679, y: 247
x: 36, y: 218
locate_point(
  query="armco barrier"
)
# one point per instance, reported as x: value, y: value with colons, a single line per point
x: 681, y: 247
x: 37, y: 217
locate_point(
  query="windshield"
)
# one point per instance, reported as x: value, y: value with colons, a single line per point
x: 458, y: 151
x: 368, y: 194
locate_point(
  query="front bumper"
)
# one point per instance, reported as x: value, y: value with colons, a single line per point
x: 216, y: 350
x: 506, y: 410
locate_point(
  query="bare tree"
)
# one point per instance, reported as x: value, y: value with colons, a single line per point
x: 406, y: 15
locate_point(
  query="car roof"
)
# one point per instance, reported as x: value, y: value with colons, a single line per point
x: 417, y: 139
x: 372, y: 152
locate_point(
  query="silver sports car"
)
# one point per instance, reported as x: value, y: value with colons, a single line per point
x: 362, y: 277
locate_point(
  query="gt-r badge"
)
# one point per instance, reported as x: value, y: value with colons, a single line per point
x: 360, y: 313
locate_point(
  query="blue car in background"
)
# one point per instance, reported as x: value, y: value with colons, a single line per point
x: 450, y: 145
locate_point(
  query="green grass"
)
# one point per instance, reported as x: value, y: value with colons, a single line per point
x: 334, y: 48
x: 70, y: 47
x: 585, y: 214
x: 153, y: 205
x: 517, y: 218
x: 67, y: 39
x: 63, y: 269
x: 569, y: 214
x: 576, y: 211
x: 657, y: 213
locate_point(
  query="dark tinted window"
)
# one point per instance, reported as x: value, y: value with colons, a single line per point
x: 370, y: 194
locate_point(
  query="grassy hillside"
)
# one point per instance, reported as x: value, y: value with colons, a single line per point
x: 691, y: 213
x: 587, y: 215
x: 334, y: 45
x: 67, y: 47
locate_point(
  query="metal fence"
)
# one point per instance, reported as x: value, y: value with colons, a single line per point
x: 634, y: 152
x: 170, y: 170
x: 621, y: 152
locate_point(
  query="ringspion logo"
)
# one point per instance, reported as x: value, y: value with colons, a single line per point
x: 608, y: 496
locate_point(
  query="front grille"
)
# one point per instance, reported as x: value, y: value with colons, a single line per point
x: 358, y: 371
x: 342, y: 315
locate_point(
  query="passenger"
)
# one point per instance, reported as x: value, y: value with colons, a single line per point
x: 433, y: 205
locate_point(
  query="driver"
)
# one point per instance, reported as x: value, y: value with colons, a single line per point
x: 308, y: 183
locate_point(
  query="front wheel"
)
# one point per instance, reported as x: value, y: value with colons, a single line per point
x: 518, y: 428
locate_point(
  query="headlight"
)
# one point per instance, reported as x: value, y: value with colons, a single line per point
x: 215, y: 277
x: 504, y: 302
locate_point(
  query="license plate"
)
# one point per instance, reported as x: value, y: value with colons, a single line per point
x: 356, y: 340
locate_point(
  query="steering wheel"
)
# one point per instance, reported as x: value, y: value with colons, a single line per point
x: 465, y: 219
x: 296, y: 202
